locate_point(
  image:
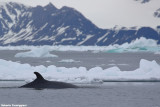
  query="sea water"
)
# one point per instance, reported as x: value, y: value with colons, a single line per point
x: 110, y: 94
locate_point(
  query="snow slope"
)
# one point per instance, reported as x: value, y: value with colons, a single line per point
x: 48, y: 25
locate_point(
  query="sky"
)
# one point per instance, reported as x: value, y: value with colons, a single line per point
x: 107, y: 13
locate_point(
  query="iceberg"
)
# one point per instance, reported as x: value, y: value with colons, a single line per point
x: 139, y: 45
x: 147, y: 71
x: 36, y: 52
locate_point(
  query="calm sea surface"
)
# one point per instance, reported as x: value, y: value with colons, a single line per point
x: 111, y: 94
x: 108, y: 94
x: 125, y: 61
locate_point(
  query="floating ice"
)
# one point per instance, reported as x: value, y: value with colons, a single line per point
x: 139, y: 45
x: 36, y: 52
x: 148, y: 70
x: 68, y: 60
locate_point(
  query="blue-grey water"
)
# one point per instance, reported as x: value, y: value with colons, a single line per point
x: 88, y: 59
x: 108, y: 94
x: 111, y: 94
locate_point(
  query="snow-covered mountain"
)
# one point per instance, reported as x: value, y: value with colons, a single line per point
x: 25, y: 25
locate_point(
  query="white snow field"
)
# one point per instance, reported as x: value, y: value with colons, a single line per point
x: 148, y: 70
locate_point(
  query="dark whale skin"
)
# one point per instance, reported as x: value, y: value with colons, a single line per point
x: 41, y: 83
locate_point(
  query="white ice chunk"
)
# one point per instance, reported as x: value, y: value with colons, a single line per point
x: 68, y: 60
x: 37, y: 52
x: 138, y: 45
x: 148, y: 70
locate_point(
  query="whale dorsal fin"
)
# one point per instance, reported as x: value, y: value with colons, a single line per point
x: 39, y: 76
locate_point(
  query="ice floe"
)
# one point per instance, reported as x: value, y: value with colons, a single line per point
x: 68, y: 60
x: 148, y: 70
x: 138, y: 45
x: 36, y: 52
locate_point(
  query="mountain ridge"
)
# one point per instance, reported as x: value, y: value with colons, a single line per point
x: 48, y: 25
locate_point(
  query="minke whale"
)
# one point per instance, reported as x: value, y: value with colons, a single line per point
x: 41, y: 83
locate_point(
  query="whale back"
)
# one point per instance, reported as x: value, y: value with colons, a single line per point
x: 40, y: 82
